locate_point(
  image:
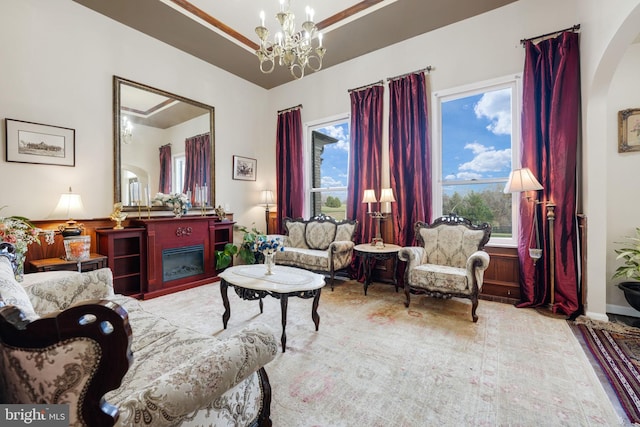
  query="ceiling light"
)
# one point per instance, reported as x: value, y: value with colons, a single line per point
x: 291, y: 48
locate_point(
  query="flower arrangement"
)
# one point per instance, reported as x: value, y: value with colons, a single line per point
x: 178, y: 201
x: 268, y: 246
x: 20, y: 232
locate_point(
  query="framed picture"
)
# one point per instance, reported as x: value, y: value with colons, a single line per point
x: 244, y: 168
x: 629, y: 130
x: 28, y: 142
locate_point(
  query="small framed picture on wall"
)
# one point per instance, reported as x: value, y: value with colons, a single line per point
x: 28, y: 142
x: 244, y: 168
x: 629, y: 130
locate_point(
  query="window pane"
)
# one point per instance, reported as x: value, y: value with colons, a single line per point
x: 331, y: 203
x: 329, y: 169
x: 476, y: 136
x: 480, y: 203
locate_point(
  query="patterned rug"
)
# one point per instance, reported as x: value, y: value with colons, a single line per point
x: 616, y: 347
x: 374, y: 362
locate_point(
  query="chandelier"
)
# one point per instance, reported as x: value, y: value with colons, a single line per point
x: 291, y: 48
x: 126, y: 130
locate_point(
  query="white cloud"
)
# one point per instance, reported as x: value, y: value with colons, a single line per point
x: 330, y: 182
x: 486, y: 159
x: 496, y: 106
x: 338, y: 132
x: 468, y: 176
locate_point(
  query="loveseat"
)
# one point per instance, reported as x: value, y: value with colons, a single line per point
x: 449, y: 262
x: 320, y: 244
x: 65, y: 338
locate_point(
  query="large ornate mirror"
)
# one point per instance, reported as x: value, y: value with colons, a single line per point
x: 163, y: 143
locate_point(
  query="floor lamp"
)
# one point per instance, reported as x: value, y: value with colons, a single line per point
x: 521, y: 181
x: 267, y: 199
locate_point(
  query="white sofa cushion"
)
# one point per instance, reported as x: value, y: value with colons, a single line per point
x: 12, y: 292
x: 319, y: 234
x: 295, y: 234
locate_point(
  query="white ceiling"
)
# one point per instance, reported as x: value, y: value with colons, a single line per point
x: 223, y: 32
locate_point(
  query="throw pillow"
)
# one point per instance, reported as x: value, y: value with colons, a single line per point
x: 345, y: 231
x: 12, y: 293
x: 320, y: 234
x: 295, y: 234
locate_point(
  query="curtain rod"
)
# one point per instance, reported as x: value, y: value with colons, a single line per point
x: 286, y: 110
x: 427, y: 69
x: 197, y: 136
x: 378, y: 83
x: 573, y: 28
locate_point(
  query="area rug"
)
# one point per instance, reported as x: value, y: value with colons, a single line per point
x: 616, y: 347
x: 375, y: 362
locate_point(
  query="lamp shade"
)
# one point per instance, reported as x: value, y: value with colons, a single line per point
x: 369, y: 196
x: 386, y: 195
x: 522, y: 180
x: 69, y: 206
x: 267, y: 198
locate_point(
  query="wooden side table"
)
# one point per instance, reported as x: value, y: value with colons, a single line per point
x: 94, y: 262
x: 368, y: 252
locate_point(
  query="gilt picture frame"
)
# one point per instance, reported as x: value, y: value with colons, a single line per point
x: 28, y: 142
x: 629, y: 130
x: 244, y: 168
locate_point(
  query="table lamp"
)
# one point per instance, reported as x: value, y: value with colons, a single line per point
x: 386, y: 197
x: 69, y: 206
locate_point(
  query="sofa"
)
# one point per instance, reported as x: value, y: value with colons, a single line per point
x: 65, y: 338
x: 320, y: 244
x: 449, y: 262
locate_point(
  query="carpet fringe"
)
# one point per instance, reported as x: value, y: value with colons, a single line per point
x: 611, y: 326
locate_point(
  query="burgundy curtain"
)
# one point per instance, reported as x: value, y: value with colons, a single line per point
x: 165, y: 169
x: 550, y: 123
x: 409, y: 155
x: 289, y: 166
x: 364, y: 156
x: 197, y: 158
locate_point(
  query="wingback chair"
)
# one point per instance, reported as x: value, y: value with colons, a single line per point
x: 450, y: 261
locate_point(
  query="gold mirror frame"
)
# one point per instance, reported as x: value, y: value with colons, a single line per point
x: 118, y: 82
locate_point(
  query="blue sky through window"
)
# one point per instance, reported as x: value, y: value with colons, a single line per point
x: 476, y: 137
x: 335, y: 158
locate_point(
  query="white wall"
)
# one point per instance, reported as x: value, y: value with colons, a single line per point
x: 58, y: 61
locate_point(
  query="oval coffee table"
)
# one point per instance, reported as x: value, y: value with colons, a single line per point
x: 251, y: 282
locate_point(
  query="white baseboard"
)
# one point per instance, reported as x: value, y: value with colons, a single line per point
x: 623, y: 310
x: 597, y: 316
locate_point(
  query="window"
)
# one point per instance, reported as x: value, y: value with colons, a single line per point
x: 179, y: 164
x: 327, y: 166
x: 477, y: 132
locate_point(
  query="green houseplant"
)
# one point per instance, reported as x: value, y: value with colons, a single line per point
x: 247, y: 251
x: 630, y: 270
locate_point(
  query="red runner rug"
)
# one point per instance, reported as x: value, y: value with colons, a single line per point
x: 618, y: 353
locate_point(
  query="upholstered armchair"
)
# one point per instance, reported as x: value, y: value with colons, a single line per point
x: 450, y: 261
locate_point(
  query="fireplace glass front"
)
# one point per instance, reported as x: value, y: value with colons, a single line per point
x: 178, y: 263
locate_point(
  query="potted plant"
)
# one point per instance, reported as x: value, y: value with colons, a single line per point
x: 247, y: 252
x: 630, y: 270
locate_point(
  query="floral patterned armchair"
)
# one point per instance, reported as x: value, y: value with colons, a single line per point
x: 450, y: 261
x: 65, y: 338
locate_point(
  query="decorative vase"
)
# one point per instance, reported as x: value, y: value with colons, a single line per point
x: 269, y: 261
x: 177, y: 210
x: 18, y: 266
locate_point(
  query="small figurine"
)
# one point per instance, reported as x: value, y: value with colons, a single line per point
x: 118, y: 216
x: 220, y: 213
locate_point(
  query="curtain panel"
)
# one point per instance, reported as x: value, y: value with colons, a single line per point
x: 165, y: 169
x: 364, y: 155
x: 289, y: 166
x: 197, y: 158
x: 409, y: 155
x: 550, y: 129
